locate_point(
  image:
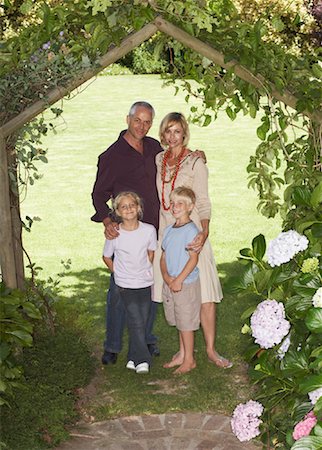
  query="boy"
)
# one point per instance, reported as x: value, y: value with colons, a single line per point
x: 181, y: 288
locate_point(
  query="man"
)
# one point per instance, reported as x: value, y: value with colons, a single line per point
x: 127, y: 165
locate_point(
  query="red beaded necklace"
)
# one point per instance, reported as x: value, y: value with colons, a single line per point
x: 173, y: 177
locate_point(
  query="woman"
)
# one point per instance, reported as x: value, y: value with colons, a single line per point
x: 176, y: 166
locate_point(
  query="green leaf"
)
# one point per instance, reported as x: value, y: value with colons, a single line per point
x: 31, y: 310
x: 4, y: 351
x: 301, y: 196
x: 318, y: 430
x: 302, y: 226
x: 230, y: 113
x: 25, y: 338
x: 301, y: 410
x: 308, y: 443
x: 316, y: 196
x: 26, y: 7
x: 247, y: 252
x: 207, y: 120
x: 310, y: 383
x: 259, y: 246
x: 263, y: 279
x: 248, y: 312
x: 313, y: 320
x: 317, y: 230
x: 278, y: 24
x: 295, y: 363
x: 317, y: 71
x: 261, y: 132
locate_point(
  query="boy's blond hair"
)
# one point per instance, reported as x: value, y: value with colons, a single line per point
x: 184, y: 193
x: 134, y: 196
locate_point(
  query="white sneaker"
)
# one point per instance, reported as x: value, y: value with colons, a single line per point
x: 142, y: 368
x: 130, y: 365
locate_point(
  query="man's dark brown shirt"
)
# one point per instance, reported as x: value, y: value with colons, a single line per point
x: 122, y: 168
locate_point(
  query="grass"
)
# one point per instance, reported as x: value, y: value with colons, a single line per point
x: 54, y: 368
x: 62, y: 199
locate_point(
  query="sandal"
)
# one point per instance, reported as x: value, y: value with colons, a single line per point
x: 221, y: 362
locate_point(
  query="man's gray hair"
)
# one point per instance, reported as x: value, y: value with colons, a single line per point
x: 143, y: 105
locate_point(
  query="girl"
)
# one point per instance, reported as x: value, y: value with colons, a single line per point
x: 133, y: 252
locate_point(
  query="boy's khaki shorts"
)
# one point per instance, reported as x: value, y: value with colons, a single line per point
x: 182, y: 309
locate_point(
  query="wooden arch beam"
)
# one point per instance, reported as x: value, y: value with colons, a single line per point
x: 128, y: 44
x: 132, y: 42
x: 218, y: 58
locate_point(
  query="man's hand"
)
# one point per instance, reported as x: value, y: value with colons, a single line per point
x: 198, y: 242
x: 175, y: 285
x: 111, y: 229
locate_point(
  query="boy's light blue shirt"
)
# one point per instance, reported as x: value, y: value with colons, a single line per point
x: 174, y: 243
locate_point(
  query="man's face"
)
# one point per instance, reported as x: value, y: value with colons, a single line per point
x: 140, y: 123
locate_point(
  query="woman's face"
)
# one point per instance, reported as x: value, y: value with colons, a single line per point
x: 174, y: 135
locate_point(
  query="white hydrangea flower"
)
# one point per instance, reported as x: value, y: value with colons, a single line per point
x: 284, y: 347
x: 317, y: 298
x: 283, y: 248
x: 268, y: 323
x: 245, y: 421
x: 315, y: 395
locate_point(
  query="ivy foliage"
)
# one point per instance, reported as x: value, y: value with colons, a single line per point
x: 16, y: 316
x: 60, y: 39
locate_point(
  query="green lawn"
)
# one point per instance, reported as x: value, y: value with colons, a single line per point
x: 62, y: 198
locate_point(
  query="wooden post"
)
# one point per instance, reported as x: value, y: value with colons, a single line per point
x: 7, y: 257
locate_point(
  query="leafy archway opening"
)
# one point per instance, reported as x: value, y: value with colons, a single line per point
x: 237, y: 68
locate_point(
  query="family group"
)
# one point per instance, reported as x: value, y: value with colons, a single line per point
x: 157, y: 247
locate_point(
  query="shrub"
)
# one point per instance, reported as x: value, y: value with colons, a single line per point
x: 16, y: 331
x: 286, y: 358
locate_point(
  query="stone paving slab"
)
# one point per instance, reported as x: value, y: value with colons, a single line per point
x: 191, y: 431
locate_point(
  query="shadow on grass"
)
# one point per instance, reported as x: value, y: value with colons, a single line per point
x: 84, y: 301
x: 120, y: 392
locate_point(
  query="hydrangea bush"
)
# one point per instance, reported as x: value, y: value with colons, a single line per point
x: 284, y: 329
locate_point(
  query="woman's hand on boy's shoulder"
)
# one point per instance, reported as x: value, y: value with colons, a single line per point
x: 198, y: 242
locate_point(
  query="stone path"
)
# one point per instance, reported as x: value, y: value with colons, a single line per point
x: 190, y: 431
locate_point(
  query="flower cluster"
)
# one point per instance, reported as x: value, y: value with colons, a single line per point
x: 268, y: 323
x: 315, y: 395
x: 304, y: 427
x: 317, y: 298
x: 310, y: 265
x: 284, y: 347
x: 283, y: 248
x: 245, y: 421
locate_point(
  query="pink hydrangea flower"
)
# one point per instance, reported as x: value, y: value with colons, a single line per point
x: 245, y: 422
x: 304, y: 427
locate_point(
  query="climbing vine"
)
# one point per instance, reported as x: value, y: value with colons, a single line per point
x: 280, y: 48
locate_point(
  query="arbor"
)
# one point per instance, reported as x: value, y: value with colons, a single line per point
x: 226, y: 62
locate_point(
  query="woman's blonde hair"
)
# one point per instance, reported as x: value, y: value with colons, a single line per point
x: 169, y: 120
x: 134, y: 196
